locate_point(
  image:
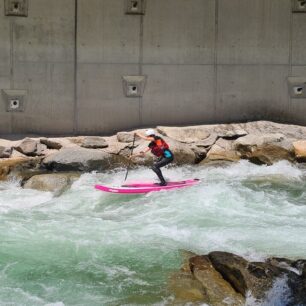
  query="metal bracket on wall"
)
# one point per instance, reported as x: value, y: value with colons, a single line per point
x: 15, y: 99
x: 134, y: 85
x: 297, y: 87
x: 299, y: 6
x: 135, y: 7
x: 16, y: 7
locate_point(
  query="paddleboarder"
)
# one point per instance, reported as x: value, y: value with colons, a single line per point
x: 160, y: 149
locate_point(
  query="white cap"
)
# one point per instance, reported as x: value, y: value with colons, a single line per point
x: 150, y: 132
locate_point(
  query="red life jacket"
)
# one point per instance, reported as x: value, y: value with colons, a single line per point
x: 158, y: 146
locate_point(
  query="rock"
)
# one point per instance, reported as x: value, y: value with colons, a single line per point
x: 51, y: 144
x: 56, y: 182
x: 183, y: 153
x: 16, y: 154
x: 93, y: 142
x: 235, y: 133
x: 244, y: 276
x: 208, y: 142
x: 81, y: 159
x: 222, y: 150
x: 200, y: 153
x: 19, y: 167
x: 300, y: 149
x: 217, y: 290
x: 186, y: 289
x: 5, y: 152
x: 27, y: 147
x: 188, y: 134
x: 118, y: 148
x: 264, y: 149
x: 125, y: 136
x: 41, y: 149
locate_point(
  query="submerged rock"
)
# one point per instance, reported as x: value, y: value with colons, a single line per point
x: 55, y: 182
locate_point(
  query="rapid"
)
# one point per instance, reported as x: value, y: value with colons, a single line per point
x: 86, y: 247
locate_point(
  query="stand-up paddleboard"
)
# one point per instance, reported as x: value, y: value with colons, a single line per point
x: 138, y: 187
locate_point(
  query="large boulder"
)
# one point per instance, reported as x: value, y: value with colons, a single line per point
x: 188, y: 134
x: 217, y: 290
x: 222, y: 150
x: 55, y: 182
x: 254, y: 277
x: 80, y: 159
x: 265, y: 148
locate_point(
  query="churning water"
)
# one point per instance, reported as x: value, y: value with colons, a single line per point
x: 91, y: 248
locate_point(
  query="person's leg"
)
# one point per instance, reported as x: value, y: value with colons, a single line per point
x: 156, y: 168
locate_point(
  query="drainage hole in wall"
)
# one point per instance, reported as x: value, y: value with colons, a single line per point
x: 16, y: 6
x: 302, y: 4
x: 298, y: 90
x: 134, y: 5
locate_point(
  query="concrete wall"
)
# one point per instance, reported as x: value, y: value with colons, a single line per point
x: 206, y: 61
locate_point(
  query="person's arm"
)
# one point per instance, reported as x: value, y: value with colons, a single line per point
x: 148, y: 138
x: 141, y: 153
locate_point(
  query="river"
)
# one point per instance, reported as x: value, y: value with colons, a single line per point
x: 86, y: 247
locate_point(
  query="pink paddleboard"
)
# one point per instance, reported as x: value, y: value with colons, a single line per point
x: 138, y: 187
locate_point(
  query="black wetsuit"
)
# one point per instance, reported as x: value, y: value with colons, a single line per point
x: 160, y: 149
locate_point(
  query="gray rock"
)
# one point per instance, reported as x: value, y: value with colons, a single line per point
x: 222, y: 150
x: 40, y: 149
x: 27, y: 147
x: 188, y: 134
x: 5, y: 152
x: 125, y: 136
x: 208, y: 142
x: 80, y: 159
x: 94, y: 142
x: 51, y: 144
x: 265, y: 148
x: 55, y: 182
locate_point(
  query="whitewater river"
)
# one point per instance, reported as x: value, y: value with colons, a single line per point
x: 90, y: 248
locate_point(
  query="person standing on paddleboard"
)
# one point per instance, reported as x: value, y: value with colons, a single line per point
x: 160, y: 149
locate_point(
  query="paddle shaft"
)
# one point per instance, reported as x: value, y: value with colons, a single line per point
x: 129, y: 164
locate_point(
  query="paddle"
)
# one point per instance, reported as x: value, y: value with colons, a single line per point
x: 129, y: 164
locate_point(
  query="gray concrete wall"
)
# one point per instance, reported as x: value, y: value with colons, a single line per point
x: 206, y: 61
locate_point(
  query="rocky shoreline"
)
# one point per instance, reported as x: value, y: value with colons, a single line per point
x: 221, y: 278
x: 34, y: 160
